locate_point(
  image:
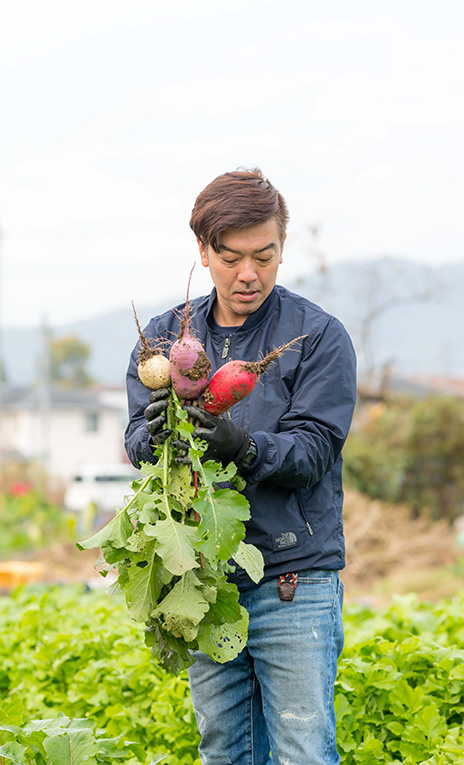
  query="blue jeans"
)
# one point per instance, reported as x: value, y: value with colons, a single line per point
x: 278, y: 693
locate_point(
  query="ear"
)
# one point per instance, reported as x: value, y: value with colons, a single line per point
x: 203, y: 253
x: 282, y: 247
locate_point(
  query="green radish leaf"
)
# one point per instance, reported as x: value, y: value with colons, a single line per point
x: 146, y: 578
x: 221, y: 528
x: 111, y: 747
x: 114, y: 588
x: 116, y: 748
x: 12, y: 752
x: 59, y: 725
x: 175, y: 544
x: 149, y: 513
x: 180, y: 486
x: 173, y: 654
x: 238, y: 482
x: 157, y: 547
x: 150, y: 470
x: 210, y: 593
x: 250, y: 558
x: 184, y: 428
x: 72, y: 748
x: 226, y: 607
x: 196, y: 455
x: 138, y: 541
x: 113, y: 536
x: 226, y: 641
x: 183, y: 608
x: 214, y: 473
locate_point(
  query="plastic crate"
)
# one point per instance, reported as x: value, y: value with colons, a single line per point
x: 16, y: 572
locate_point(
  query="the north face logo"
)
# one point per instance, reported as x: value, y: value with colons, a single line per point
x: 285, y: 539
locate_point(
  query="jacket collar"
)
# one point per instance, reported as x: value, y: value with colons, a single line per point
x: 252, y: 320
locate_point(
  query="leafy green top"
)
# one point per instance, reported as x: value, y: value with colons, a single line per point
x: 173, y: 543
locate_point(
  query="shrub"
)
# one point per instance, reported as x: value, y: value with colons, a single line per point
x: 410, y: 451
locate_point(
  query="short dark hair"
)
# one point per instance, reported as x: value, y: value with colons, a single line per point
x: 237, y: 200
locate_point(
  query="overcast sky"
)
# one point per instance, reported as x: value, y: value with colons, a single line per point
x: 116, y: 113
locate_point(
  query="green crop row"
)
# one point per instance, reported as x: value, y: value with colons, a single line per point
x: 66, y: 651
x: 400, y: 686
x: 28, y: 522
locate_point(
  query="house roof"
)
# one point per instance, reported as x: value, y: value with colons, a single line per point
x: 33, y: 397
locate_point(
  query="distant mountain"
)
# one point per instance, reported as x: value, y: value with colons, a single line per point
x: 399, y: 313
x: 110, y: 336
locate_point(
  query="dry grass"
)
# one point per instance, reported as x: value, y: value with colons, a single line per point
x: 387, y: 551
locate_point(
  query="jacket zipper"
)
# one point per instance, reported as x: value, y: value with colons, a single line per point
x: 225, y: 350
x: 306, y: 523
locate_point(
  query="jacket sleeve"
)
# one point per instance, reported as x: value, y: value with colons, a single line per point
x: 311, y: 434
x: 136, y: 436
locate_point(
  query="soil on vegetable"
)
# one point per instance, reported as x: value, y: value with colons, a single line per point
x: 200, y: 369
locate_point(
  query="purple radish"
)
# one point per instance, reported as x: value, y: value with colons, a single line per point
x: 190, y: 366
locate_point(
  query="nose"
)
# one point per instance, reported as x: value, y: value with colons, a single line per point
x: 247, y: 271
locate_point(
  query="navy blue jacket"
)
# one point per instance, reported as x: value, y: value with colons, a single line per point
x: 299, y: 415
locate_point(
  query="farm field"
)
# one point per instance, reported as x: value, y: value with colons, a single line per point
x: 70, y: 655
x: 65, y: 650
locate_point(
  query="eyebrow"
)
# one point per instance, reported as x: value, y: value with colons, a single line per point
x: 270, y: 246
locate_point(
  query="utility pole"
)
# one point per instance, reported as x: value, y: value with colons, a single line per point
x: 2, y: 370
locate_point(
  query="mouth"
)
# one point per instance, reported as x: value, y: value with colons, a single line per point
x: 247, y: 295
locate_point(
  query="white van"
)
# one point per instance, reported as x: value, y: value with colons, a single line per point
x: 103, y: 486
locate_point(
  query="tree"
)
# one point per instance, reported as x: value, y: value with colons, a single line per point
x: 68, y: 360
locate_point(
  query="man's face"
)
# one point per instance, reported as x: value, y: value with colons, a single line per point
x: 244, y: 270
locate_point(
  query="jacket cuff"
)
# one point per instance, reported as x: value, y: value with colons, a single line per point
x: 262, y: 449
x: 146, y: 449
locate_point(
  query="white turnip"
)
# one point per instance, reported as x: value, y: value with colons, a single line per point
x: 153, y: 367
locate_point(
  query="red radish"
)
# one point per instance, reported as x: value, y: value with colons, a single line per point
x: 236, y: 379
x: 190, y: 366
x: 153, y: 368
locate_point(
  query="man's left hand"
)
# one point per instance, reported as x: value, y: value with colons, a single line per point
x: 226, y: 441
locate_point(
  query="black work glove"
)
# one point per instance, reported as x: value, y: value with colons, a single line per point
x: 156, y: 424
x: 226, y: 441
x: 155, y: 417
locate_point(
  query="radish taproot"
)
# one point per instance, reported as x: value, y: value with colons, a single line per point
x: 236, y: 379
x: 153, y: 368
x: 190, y: 366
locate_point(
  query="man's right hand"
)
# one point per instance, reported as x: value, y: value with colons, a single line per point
x: 155, y: 417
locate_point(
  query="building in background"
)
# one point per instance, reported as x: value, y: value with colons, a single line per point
x: 65, y: 430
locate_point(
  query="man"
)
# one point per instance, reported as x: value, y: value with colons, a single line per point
x: 286, y: 438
